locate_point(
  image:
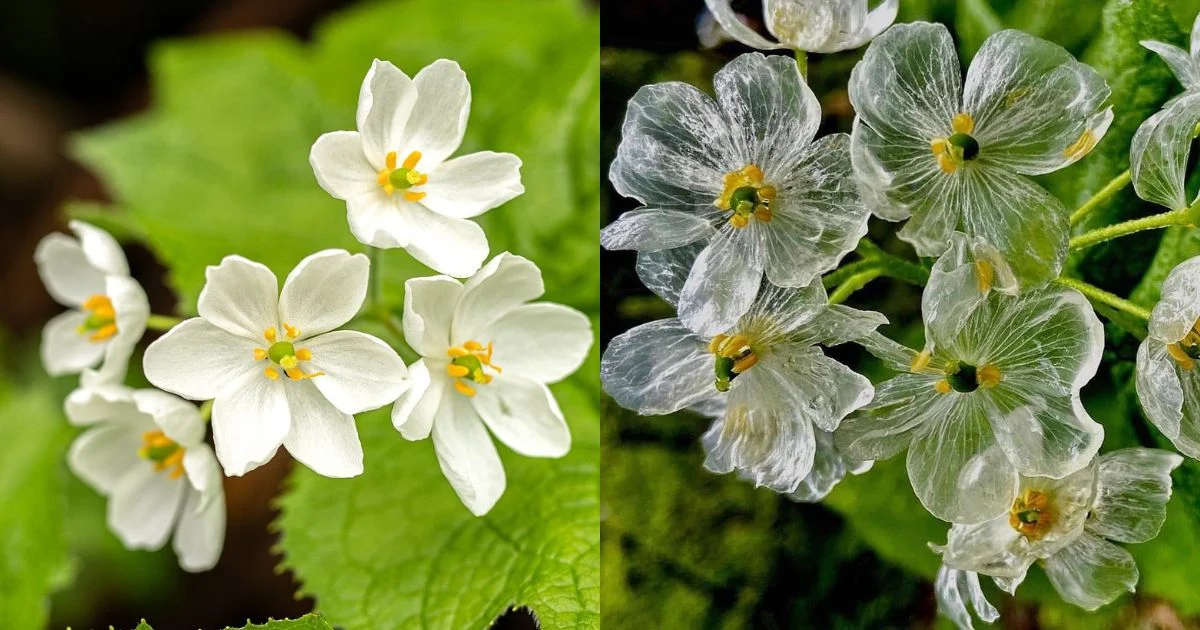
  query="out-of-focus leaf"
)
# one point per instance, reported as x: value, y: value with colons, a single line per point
x: 307, y: 622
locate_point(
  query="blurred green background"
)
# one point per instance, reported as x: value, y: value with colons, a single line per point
x: 683, y: 548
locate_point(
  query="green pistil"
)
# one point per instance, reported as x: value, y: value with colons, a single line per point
x: 743, y: 200
x: 399, y: 178
x: 965, y: 147
x: 474, y: 367
x: 280, y: 350
x: 963, y: 379
x: 724, y: 371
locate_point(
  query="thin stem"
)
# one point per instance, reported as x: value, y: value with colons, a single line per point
x: 393, y: 325
x: 841, y: 274
x: 1166, y: 219
x: 162, y: 323
x: 1100, y: 296
x: 853, y: 284
x: 802, y: 63
x: 206, y: 410
x: 375, y: 291
x: 1110, y: 189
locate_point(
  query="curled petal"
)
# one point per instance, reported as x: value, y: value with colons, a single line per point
x: 1132, y: 489
x: 1184, y: 66
x: 1158, y: 154
x: 1178, y: 309
x: 1091, y: 572
x: 954, y: 589
x: 722, y: 284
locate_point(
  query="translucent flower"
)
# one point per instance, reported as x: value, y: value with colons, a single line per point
x: 145, y: 451
x: 947, y: 155
x: 487, y: 355
x: 995, y: 393
x: 954, y: 589
x: 777, y: 385
x: 1168, y: 383
x: 1158, y: 154
x: 741, y: 175
x: 1185, y: 65
x: 400, y: 189
x: 274, y: 365
x: 89, y: 275
x: 963, y: 278
x: 1067, y: 524
x: 821, y: 26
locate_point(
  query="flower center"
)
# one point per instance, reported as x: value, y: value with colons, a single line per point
x: 403, y: 178
x: 467, y: 363
x: 733, y: 355
x: 966, y: 378
x: 1187, y: 350
x: 746, y: 196
x: 960, y: 147
x: 101, y: 322
x: 284, y: 355
x: 1030, y: 514
x: 163, y: 452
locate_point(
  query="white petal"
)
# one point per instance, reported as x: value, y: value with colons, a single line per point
x: 1091, y: 572
x: 104, y: 454
x: 250, y: 421
x: 324, y: 291
x: 101, y: 249
x: 543, y: 342
x: 64, y: 349
x: 524, y: 415
x: 200, y: 535
x: 992, y: 547
x: 900, y: 410
x: 361, y: 372
x: 341, y: 168
x: 657, y: 368
x: 385, y: 103
x: 819, y: 389
x: 178, y: 418
x: 429, y: 308
x: 241, y: 297
x: 322, y: 437
x: 505, y: 283
x: 1158, y: 154
x: 1160, y: 390
x: 204, y: 473
x: 1179, y: 307
x: 829, y: 467
x: 1182, y: 65
x: 466, y: 454
x: 722, y: 284
x: 1043, y: 435
x: 132, y: 312
x: 143, y: 506
x: 456, y: 247
x: 954, y: 589
x: 376, y: 220
x: 665, y: 272
x: 69, y: 278
x: 649, y: 229
x: 414, y: 411
x: 470, y: 185
x: 771, y: 110
x: 197, y: 360
x: 723, y: 11
x: 439, y: 117
x: 89, y: 405
x: 1133, y: 486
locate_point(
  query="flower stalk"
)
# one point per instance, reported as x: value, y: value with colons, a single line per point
x: 162, y: 323
x: 1104, y: 194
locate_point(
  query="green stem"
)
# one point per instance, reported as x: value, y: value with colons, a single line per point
x: 162, y: 323
x: 853, y: 284
x: 841, y: 274
x: 802, y: 63
x: 374, y: 292
x: 1185, y: 216
x: 1100, y: 296
x: 206, y: 410
x: 1110, y: 189
x: 393, y: 326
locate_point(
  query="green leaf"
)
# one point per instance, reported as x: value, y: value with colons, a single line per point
x: 310, y: 621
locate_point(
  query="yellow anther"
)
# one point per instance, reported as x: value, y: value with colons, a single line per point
x: 738, y: 221
x: 414, y: 196
x: 100, y: 305
x: 457, y: 371
x: 292, y: 331
x: 410, y: 162
x: 1030, y: 514
x: 763, y: 213
x: 464, y: 389
x: 1082, y: 146
x: 270, y: 334
x: 1176, y: 351
x: 714, y: 346
x: 454, y: 353
x: 271, y: 373
x: 754, y: 173
x: 1016, y: 95
x: 988, y: 376
x: 163, y: 452
x: 946, y: 163
x: 744, y: 363
x: 289, y: 363
x: 767, y: 193
x: 260, y: 354
x: 962, y: 123
x: 390, y: 160
x: 920, y: 362
x: 985, y: 275
x: 101, y: 321
x: 472, y: 346
x: 389, y: 179
x: 104, y: 332
x: 938, y: 146
x: 744, y: 195
x: 942, y: 386
x: 468, y: 362
x: 304, y: 354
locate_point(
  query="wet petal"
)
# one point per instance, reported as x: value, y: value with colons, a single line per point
x: 723, y: 11
x: 954, y: 589
x: 1158, y: 155
x: 771, y: 111
x: 657, y: 368
x: 1043, y: 435
x: 722, y: 284
x: 1132, y: 489
x: 1091, y: 572
x: 1182, y: 65
x: 992, y: 547
x: 829, y: 467
x: 900, y: 410
x: 1179, y: 307
x: 665, y: 272
x: 649, y: 230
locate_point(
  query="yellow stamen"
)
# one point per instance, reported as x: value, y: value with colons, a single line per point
x: 101, y: 321
x: 920, y: 362
x: 472, y: 346
x: 942, y: 386
x: 1082, y: 146
x: 468, y: 363
x: 1016, y: 95
x: 260, y: 354
x: 744, y: 195
x: 714, y: 346
x: 304, y: 354
x: 1176, y: 351
x: 1030, y: 514
x: 738, y: 221
x: 292, y: 331
x: 985, y: 275
x: 454, y: 353
x: 271, y: 373
x: 744, y: 363
x: 962, y: 123
x: 289, y: 363
x: 946, y: 163
x: 104, y: 332
x: 457, y: 371
x: 410, y: 162
x: 390, y: 160
x: 409, y: 175
x: 414, y: 196
x: 163, y: 452
x: 988, y: 376
x: 270, y: 334
x: 464, y: 389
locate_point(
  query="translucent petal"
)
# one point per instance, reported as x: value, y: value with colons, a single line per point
x: 1070, y: 501
x: 829, y: 467
x: 897, y: 174
x: 901, y: 409
x: 895, y: 356
x: 954, y: 589
x: 1042, y: 434
x: 838, y: 324
x: 1091, y: 572
x: 992, y: 547
x: 962, y: 278
x: 1160, y: 390
x: 1183, y: 65
x: 722, y: 284
x: 665, y: 272
x: 723, y: 11
x: 778, y: 311
x: 1158, y: 154
x: 1033, y: 103
x: 657, y: 368
x: 821, y: 390
x: 1178, y: 308
x: 1132, y: 489
x: 648, y: 230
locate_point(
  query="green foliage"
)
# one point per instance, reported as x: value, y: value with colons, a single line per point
x: 307, y: 622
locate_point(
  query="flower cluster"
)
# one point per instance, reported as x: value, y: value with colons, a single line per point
x: 274, y: 367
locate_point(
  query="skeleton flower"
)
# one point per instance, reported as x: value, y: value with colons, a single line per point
x: 108, y: 312
x: 1168, y: 383
x: 400, y: 189
x: 954, y: 589
x: 740, y: 175
x: 821, y: 26
x: 1067, y: 524
x: 777, y: 385
x: 487, y: 356
x: 1158, y: 154
x: 145, y: 451
x: 1185, y: 65
x: 948, y: 156
x: 995, y: 393
x: 275, y: 366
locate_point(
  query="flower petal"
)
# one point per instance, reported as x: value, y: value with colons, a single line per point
x: 992, y: 547
x: 466, y: 454
x: 101, y: 249
x: 65, y: 271
x: 1091, y: 572
x: 178, y: 418
x: 204, y: 473
x: 543, y: 342
x: 1132, y: 489
x: 772, y: 113
x: 250, y: 420
x: 361, y: 372
x: 64, y: 349
x: 1178, y: 308
x: 524, y: 415
x: 722, y: 284
x: 1044, y: 435
x: 321, y: 437
x: 505, y: 283
x: 200, y: 536
x: 429, y: 309
x: 324, y: 291
x: 104, y: 454
x: 723, y: 11
x: 89, y: 405
x: 899, y: 178
x: 385, y: 103
x: 340, y: 166
x: 665, y: 272
x: 241, y: 297
x: 829, y: 467
x: 650, y: 229
x: 472, y: 184
x: 142, y: 508
x: 1160, y: 389
x: 439, y: 117
x: 376, y: 220
x: 455, y: 247
x: 900, y: 410
x: 1036, y: 109
x: 954, y: 589
x: 1158, y: 154
x: 414, y: 411
x: 199, y: 361
x: 821, y: 390
x: 657, y: 368
x: 1182, y: 65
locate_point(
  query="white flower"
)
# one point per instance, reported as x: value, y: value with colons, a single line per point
x: 108, y: 312
x: 486, y: 358
x: 1168, y: 383
x: 400, y: 189
x: 1158, y: 154
x: 1067, y: 524
x: 962, y: 278
x: 740, y: 175
x: 777, y: 386
x: 822, y: 26
x: 947, y: 155
x: 273, y: 368
x: 1185, y: 65
x: 995, y: 393
x: 954, y: 589
x: 145, y: 451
